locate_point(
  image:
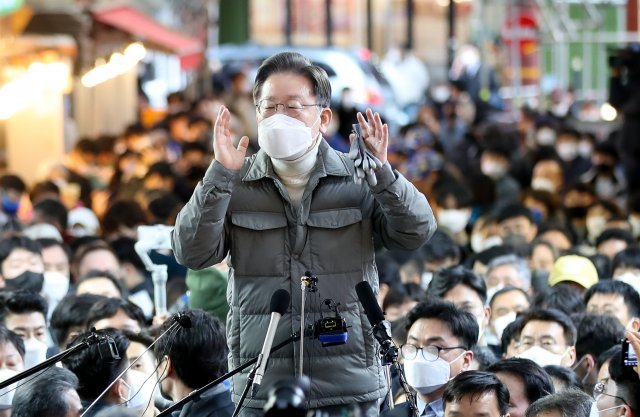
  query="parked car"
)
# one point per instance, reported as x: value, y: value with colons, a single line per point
x: 345, y: 68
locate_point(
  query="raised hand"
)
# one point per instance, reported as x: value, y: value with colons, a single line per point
x: 228, y: 155
x: 375, y: 134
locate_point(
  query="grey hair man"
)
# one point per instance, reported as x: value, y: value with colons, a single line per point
x: 569, y: 403
x: 51, y: 394
x: 508, y: 270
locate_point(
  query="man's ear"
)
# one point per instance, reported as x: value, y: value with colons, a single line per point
x: 166, y: 368
x: 633, y: 325
x: 121, y: 390
x: 325, y: 120
x: 466, y: 360
x: 591, y: 363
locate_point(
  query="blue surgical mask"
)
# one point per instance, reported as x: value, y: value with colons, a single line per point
x: 10, y: 206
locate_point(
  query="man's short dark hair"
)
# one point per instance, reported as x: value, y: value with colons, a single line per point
x: 557, y: 316
x: 537, y: 383
x: 462, y: 324
x: 514, y: 210
x: 627, y: 258
x: 616, y: 234
x: 608, y: 286
x: 7, y: 336
x: 70, y: 312
x: 128, y: 213
x: 560, y: 297
x: 199, y: 353
x: 439, y: 248
x: 298, y: 64
x: 124, y: 248
x: 11, y: 243
x: 567, y: 377
x: 94, y: 372
x: 505, y: 290
x: 46, y: 243
x: 607, y: 355
x: 569, y: 403
x: 489, y: 254
x: 52, y: 212
x: 597, y: 333
x: 476, y: 384
x: 21, y: 302
x: 12, y: 182
x: 510, y: 333
x: 108, y: 307
x: 444, y: 280
x: 47, y: 395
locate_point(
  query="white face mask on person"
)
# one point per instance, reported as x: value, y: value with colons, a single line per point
x: 284, y: 137
x: 35, y: 352
x: 501, y: 323
x: 454, y: 220
x: 542, y: 356
x: 428, y: 376
x: 6, y: 394
x: 141, y: 390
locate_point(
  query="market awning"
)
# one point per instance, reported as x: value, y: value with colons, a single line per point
x: 146, y: 29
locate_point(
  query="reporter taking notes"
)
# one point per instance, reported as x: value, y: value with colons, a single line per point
x: 292, y: 207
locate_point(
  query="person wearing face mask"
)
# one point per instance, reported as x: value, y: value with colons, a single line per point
x: 189, y: 360
x: 517, y: 227
x: 505, y: 305
x: 453, y: 201
x: 466, y: 290
x: 527, y: 382
x: 567, y: 143
x: 438, y: 348
x: 618, y: 395
x: 547, y: 176
x: 616, y: 299
x: 11, y: 364
x: 626, y: 267
x: 576, y: 201
x: 293, y: 207
x: 24, y: 312
x: 547, y: 337
x: 605, y: 175
x: 95, y: 374
x: 21, y: 265
x: 495, y: 163
x: 596, y: 334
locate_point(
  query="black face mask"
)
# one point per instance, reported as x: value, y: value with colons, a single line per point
x: 577, y: 212
x: 28, y: 280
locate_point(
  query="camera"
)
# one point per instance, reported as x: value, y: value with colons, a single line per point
x: 629, y: 357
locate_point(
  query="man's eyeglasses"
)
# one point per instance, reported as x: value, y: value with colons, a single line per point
x: 429, y: 353
x: 600, y: 388
x: 268, y: 108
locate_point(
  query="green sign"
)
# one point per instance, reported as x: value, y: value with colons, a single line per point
x: 8, y: 6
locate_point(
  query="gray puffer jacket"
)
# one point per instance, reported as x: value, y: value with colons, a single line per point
x: 247, y: 215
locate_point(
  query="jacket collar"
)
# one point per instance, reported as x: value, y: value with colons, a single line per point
x: 330, y: 162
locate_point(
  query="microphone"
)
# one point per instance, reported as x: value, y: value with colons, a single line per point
x: 381, y: 328
x: 279, y: 304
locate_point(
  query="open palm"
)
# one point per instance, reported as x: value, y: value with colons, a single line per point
x: 228, y: 155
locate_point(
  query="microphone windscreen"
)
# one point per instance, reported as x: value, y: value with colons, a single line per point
x: 280, y: 301
x: 369, y: 302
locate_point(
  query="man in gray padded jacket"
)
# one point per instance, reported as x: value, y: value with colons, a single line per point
x: 294, y: 207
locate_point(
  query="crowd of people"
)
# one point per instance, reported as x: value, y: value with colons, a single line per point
x: 517, y: 305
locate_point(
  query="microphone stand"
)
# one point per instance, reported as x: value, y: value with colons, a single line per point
x: 389, y: 356
x: 195, y: 395
x: 91, y: 339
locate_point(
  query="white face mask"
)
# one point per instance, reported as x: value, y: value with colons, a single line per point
x: 480, y: 243
x: 635, y: 225
x: 543, y: 184
x: 542, y: 356
x: 501, y: 323
x: 284, y: 137
x: 6, y: 394
x: 425, y: 376
x: 55, y: 286
x: 605, y: 188
x: 546, y: 136
x: 629, y: 278
x: 567, y: 151
x: 595, y: 226
x: 584, y: 149
x: 141, y: 389
x: 426, y: 278
x: 493, y: 170
x: 454, y: 220
x: 35, y: 352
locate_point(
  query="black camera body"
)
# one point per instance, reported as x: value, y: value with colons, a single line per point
x: 627, y: 60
